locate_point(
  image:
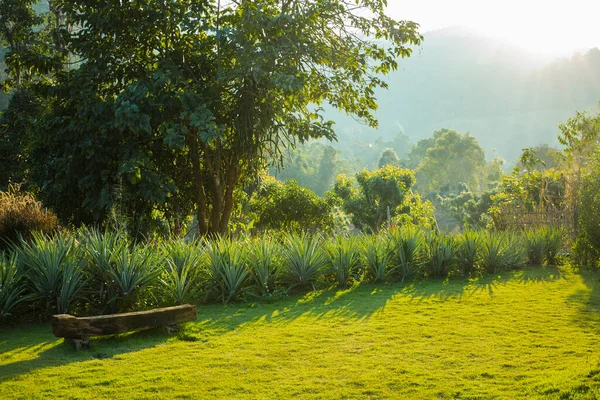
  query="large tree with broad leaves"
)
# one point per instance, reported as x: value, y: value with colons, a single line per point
x: 171, y: 106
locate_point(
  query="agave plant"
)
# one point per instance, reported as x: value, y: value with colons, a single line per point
x: 304, y: 259
x: 535, y: 246
x: 554, y: 243
x: 133, y: 271
x: 181, y: 270
x: 54, y: 270
x: 377, y: 256
x: 408, y: 244
x: 263, y: 264
x: 468, y: 250
x: 442, y: 249
x: 101, y: 249
x: 343, y: 259
x: 228, y: 265
x: 501, y: 250
x: 12, y: 286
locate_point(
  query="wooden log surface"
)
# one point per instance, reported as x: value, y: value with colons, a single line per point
x: 68, y: 326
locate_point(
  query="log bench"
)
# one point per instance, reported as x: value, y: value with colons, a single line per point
x: 77, y: 331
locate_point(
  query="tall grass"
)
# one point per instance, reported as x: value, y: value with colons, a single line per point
x: 304, y: 260
x: 542, y: 245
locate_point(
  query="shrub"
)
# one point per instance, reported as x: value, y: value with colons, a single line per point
x: 21, y: 215
x: 228, y: 267
x: 304, y: 259
x: 501, y: 250
x: 54, y: 271
x: 377, y: 256
x: 408, y: 244
x: 12, y: 286
x: 343, y: 259
x: 181, y: 270
x: 442, y: 249
x: 263, y: 264
x: 468, y: 251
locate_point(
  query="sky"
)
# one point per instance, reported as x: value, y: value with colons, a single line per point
x: 553, y: 27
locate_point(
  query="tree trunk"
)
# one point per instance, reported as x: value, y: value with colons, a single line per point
x: 200, y: 196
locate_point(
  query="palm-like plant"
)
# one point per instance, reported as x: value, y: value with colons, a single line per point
x: 12, y: 286
x: 133, y: 271
x: 181, y: 270
x: 304, y: 259
x: 441, y: 254
x: 377, y: 256
x: 228, y: 266
x: 500, y: 250
x: 263, y: 264
x: 343, y: 259
x: 101, y: 249
x: 54, y: 270
x: 468, y: 250
x: 535, y: 246
x: 408, y: 244
x: 554, y: 243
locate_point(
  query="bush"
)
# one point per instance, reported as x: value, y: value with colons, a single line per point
x: 181, y: 271
x: 408, y: 244
x: 377, y: 256
x: 12, y: 286
x: 21, y: 215
x: 501, y: 250
x: 442, y: 250
x: 263, y: 264
x: 468, y: 251
x: 304, y: 259
x: 228, y: 267
x: 344, y: 259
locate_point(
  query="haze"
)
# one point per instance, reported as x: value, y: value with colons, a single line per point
x: 556, y: 28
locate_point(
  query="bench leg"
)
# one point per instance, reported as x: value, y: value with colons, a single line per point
x: 171, y: 329
x: 79, y: 343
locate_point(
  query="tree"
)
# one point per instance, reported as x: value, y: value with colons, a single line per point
x: 286, y: 206
x: 389, y: 157
x: 387, y: 187
x: 175, y: 113
x: 453, y: 159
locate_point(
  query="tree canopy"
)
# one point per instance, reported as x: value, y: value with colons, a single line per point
x: 164, y: 108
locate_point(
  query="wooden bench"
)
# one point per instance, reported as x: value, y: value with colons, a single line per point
x: 77, y: 331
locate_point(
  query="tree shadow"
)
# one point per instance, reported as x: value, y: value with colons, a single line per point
x: 49, y: 351
x: 588, y: 316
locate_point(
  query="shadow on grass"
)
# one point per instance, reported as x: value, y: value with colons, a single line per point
x: 589, y: 313
x: 45, y: 350
x: 350, y: 305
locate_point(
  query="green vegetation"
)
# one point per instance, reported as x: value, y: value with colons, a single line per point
x: 523, y: 334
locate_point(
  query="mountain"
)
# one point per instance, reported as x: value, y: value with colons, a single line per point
x: 505, y: 96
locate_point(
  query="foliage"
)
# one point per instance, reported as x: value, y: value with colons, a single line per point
x: 389, y: 157
x: 343, y: 259
x: 453, y: 159
x: 501, y: 250
x: 12, y: 286
x: 468, y: 251
x: 53, y: 270
x: 181, y: 270
x: 442, y: 253
x: 386, y: 188
x: 409, y: 246
x: 21, y: 214
x: 304, y: 259
x: 180, y: 121
x: 264, y: 263
x: 228, y: 264
x: 289, y: 207
x: 377, y: 256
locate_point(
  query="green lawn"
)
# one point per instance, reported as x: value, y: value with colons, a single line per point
x: 525, y: 334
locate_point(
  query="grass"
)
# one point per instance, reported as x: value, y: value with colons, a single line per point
x: 523, y: 334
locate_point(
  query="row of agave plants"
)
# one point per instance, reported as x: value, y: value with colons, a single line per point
x: 90, y: 272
